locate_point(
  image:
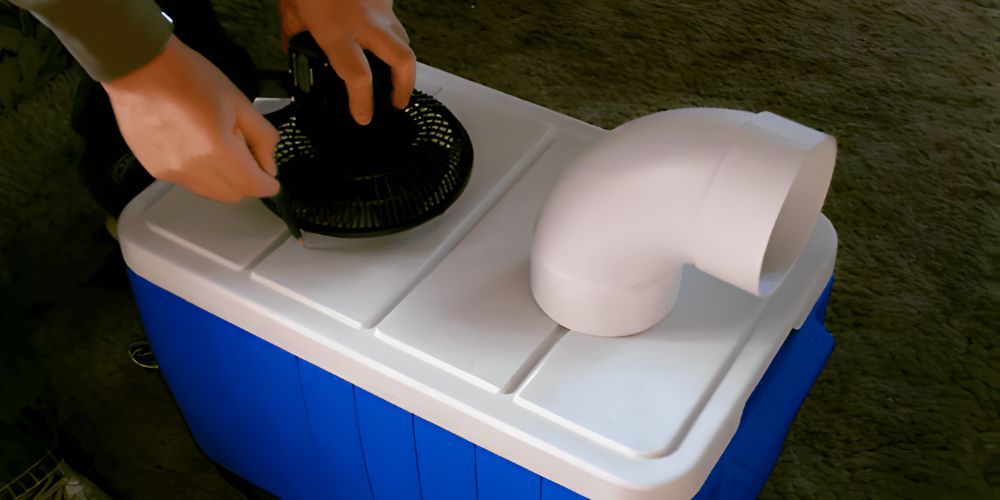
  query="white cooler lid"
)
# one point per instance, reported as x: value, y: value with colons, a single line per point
x: 440, y: 320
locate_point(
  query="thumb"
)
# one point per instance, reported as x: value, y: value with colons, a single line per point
x: 261, y: 137
x: 246, y: 176
x: 291, y: 24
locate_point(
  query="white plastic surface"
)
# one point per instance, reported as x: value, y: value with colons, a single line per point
x: 453, y: 334
x: 231, y: 238
x: 639, y: 396
x: 474, y: 314
x: 372, y: 273
x: 735, y: 194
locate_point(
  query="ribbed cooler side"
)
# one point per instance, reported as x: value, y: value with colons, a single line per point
x: 299, y: 431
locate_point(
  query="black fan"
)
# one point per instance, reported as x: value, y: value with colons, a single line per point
x: 342, y: 179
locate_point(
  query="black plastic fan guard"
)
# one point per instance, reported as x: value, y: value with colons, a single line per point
x: 342, y: 179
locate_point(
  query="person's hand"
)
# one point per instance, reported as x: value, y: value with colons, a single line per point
x: 343, y: 28
x: 188, y: 124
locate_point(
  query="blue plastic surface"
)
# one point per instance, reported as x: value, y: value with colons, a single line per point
x: 501, y: 479
x: 333, y: 418
x: 390, y: 449
x: 300, y: 432
x: 447, y: 462
x: 239, y: 395
x: 553, y: 491
x: 745, y: 465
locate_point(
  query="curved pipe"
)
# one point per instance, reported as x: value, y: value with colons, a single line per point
x: 735, y: 194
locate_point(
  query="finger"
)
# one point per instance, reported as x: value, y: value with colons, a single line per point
x: 244, y: 175
x: 400, y: 31
x: 211, y: 186
x: 287, y: 34
x: 260, y: 136
x: 291, y: 24
x: 399, y: 56
x: 350, y: 63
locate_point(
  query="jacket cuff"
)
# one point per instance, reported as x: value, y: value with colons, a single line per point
x: 109, y: 38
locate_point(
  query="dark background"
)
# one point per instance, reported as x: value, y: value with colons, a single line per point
x: 908, y: 405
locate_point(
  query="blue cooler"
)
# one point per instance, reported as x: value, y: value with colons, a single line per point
x: 418, y: 365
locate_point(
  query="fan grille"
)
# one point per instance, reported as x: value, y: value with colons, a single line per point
x: 339, y: 179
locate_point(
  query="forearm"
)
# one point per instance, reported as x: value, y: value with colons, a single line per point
x: 109, y: 38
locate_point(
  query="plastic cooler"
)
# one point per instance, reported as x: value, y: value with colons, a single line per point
x: 419, y: 366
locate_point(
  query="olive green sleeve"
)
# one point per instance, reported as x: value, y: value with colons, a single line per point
x: 109, y: 38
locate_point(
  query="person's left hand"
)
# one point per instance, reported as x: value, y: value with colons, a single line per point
x: 343, y: 28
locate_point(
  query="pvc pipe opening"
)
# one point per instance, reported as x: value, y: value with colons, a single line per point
x: 799, y: 213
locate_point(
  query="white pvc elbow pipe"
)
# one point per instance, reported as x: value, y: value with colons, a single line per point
x: 735, y: 194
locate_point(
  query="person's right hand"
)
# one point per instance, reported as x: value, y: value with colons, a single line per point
x: 188, y: 124
x: 344, y: 29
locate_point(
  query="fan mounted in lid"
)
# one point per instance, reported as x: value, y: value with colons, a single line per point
x: 339, y: 178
